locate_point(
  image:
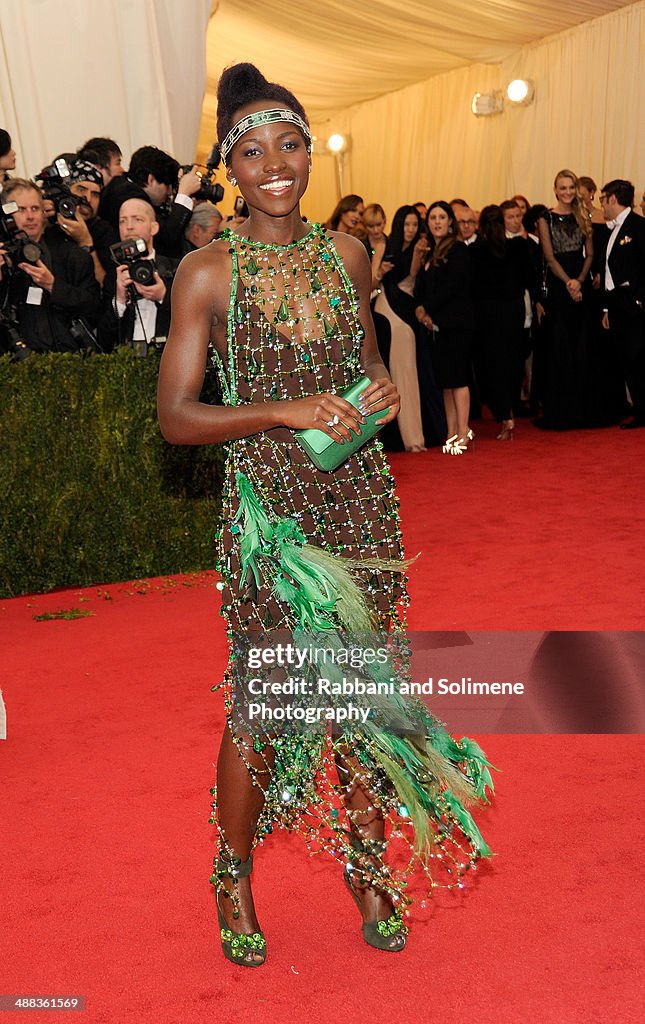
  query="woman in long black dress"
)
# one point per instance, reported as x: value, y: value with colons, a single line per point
x: 567, y: 246
x: 502, y: 272
x: 444, y: 308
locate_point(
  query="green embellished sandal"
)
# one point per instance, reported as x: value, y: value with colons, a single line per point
x: 378, y: 934
x: 236, y: 946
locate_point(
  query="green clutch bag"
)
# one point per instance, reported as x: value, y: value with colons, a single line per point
x: 327, y: 454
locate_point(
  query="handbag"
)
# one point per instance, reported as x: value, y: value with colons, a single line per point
x: 327, y: 454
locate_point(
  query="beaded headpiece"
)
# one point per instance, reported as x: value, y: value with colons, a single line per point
x: 270, y: 116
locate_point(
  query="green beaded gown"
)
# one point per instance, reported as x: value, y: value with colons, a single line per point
x: 294, y: 330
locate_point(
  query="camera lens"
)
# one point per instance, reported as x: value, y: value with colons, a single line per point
x: 142, y: 273
x: 30, y: 252
x: 67, y: 207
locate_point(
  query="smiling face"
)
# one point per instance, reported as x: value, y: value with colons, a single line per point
x: 271, y: 164
x: 438, y: 223
x: 565, y: 190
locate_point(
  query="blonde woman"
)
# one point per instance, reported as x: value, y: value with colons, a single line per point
x: 567, y: 246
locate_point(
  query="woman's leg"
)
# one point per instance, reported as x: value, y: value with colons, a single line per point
x: 451, y: 411
x: 239, y: 804
x: 368, y: 826
x: 461, y: 398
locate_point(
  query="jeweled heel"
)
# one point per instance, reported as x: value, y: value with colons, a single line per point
x: 236, y: 946
x: 378, y: 934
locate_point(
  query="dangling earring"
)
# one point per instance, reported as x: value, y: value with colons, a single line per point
x: 233, y: 181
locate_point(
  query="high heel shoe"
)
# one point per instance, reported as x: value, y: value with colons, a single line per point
x: 390, y: 934
x: 506, y: 433
x: 447, y: 447
x: 463, y: 444
x: 236, y: 946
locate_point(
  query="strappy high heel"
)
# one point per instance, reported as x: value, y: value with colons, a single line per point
x: 447, y: 447
x: 463, y: 444
x: 236, y: 946
x: 507, y: 431
x: 378, y: 934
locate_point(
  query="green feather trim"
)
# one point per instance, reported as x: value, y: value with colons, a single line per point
x: 467, y: 824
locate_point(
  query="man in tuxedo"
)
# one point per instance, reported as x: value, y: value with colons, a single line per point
x: 135, y: 314
x: 624, y: 289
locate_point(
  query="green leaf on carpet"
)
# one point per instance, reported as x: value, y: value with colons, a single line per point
x: 63, y: 613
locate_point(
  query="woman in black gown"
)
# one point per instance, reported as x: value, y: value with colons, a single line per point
x: 502, y: 272
x: 567, y: 247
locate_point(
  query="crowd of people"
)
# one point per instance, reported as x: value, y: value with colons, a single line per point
x: 531, y: 310
x: 88, y: 250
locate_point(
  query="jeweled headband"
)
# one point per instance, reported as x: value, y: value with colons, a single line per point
x: 245, y: 124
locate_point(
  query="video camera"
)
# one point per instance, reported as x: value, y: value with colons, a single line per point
x: 18, y: 246
x: 134, y: 253
x: 54, y: 183
x: 209, y: 189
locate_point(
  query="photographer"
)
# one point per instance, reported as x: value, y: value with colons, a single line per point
x: 133, y: 313
x: 155, y: 176
x: 90, y: 232
x: 46, y: 296
x: 105, y: 155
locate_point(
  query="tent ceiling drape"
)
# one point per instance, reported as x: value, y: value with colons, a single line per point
x: 342, y: 52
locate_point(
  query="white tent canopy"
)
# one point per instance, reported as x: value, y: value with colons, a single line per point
x: 398, y: 80
x: 396, y: 77
x: 339, y: 53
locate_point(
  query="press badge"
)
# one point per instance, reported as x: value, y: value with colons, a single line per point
x: 34, y: 296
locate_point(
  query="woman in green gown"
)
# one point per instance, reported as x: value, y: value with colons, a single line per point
x: 284, y: 306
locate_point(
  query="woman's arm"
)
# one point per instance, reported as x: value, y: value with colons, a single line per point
x: 381, y: 393
x: 199, y: 301
x: 547, y: 248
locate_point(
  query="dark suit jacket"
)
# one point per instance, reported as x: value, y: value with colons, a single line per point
x: 115, y: 331
x: 627, y: 258
x: 172, y: 220
x: 445, y: 290
x: 46, y: 327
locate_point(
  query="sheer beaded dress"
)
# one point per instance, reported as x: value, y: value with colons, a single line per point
x: 294, y: 330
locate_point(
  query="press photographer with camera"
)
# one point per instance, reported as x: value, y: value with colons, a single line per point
x: 157, y: 177
x: 48, y: 293
x: 136, y: 292
x: 204, y: 225
x: 90, y: 232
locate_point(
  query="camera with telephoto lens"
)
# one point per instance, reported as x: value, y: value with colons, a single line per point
x: 210, y: 189
x: 134, y: 253
x: 17, y: 245
x: 54, y: 183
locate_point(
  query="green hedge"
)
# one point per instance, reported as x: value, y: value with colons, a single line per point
x: 89, y: 490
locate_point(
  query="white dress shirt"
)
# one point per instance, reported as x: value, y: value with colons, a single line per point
x: 616, y: 226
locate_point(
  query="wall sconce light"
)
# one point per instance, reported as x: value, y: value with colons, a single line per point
x: 486, y: 104
x: 520, y: 91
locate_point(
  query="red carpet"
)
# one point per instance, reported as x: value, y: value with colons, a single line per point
x: 113, y: 733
